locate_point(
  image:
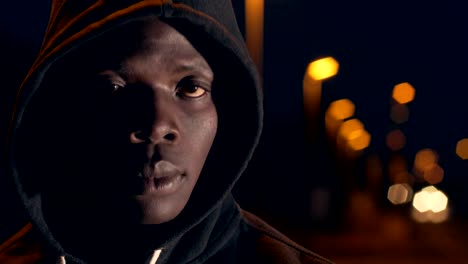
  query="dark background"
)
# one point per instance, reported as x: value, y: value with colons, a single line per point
x: 378, y: 45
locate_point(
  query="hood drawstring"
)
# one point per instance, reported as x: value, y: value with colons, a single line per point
x: 154, y: 258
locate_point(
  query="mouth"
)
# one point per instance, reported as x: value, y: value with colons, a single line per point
x: 160, y: 179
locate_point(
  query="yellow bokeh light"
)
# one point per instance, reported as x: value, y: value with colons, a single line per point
x: 396, y: 140
x: 403, y: 93
x: 439, y: 201
x: 254, y: 28
x: 341, y: 109
x: 438, y: 217
x: 418, y: 216
x: 434, y: 174
x: 462, y: 149
x: 349, y: 127
x: 352, y: 137
x: 323, y: 68
x: 420, y: 201
x: 359, y: 140
x: 400, y: 193
x: 430, y: 199
x: 332, y: 126
x: 424, y: 159
x: 430, y: 216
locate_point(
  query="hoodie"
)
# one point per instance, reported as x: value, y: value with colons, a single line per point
x: 212, y: 228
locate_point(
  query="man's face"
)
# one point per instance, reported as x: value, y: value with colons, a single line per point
x: 153, y: 131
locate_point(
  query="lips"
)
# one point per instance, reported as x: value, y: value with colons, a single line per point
x: 162, y: 178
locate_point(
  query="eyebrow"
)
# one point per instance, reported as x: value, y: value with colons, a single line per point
x: 192, y: 65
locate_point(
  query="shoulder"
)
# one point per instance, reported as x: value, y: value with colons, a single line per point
x: 22, y: 247
x: 271, y: 246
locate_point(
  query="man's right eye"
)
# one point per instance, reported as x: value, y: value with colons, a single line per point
x: 106, y: 86
x: 115, y: 87
x: 110, y: 81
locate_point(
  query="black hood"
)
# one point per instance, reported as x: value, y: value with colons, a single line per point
x: 211, y: 27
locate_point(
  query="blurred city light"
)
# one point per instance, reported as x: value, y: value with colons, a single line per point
x: 350, y: 127
x: 254, y: 28
x: 424, y: 160
x: 430, y: 199
x: 323, y: 68
x: 434, y: 174
x: 353, y: 137
x: 396, y: 140
x: 312, y: 93
x: 403, y: 93
x: 420, y: 201
x: 336, y: 113
x: 430, y: 216
x: 332, y: 127
x: 399, y: 113
x: 400, y: 193
x: 359, y: 140
x: 462, y: 149
x: 341, y: 109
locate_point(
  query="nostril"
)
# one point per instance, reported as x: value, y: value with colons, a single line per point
x: 153, y: 138
x: 137, y: 137
x: 170, y: 136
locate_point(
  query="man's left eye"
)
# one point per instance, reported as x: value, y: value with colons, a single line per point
x: 191, y: 91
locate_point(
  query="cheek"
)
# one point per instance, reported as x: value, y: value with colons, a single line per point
x: 207, y: 128
x: 210, y: 127
x: 200, y: 135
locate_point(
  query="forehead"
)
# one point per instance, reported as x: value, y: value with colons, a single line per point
x: 148, y: 35
x: 160, y: 45
x: 158, y: 38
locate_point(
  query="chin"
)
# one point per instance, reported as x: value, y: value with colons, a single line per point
x: 156, y: 219
x: 156, y: 211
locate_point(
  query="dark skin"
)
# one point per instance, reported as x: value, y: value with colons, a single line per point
x: 154, y: 124
x: 177, y: 123
x: 123, y: 129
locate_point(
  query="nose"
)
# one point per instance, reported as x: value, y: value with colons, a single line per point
x: 160, y: 126
x: 158, y: 135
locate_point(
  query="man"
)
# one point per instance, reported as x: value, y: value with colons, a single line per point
x: 130, y: 131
